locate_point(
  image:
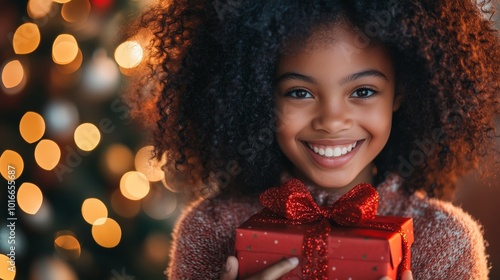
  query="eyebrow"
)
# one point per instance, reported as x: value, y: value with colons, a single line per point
x: 350, y: 78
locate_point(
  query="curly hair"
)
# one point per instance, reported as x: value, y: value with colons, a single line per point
x: 212, y: 65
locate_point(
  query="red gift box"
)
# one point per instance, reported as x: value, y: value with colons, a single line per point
x: 353, y: 253
x: 342, y: 241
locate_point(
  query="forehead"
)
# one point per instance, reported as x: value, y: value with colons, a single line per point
x: 338, y: 45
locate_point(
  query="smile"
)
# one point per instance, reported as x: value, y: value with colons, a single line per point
x: 332, y: 151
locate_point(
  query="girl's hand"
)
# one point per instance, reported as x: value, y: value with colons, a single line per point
x: 406, y: 276
x: 230, y: 270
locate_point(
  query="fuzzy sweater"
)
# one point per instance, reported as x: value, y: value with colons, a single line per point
x: 448, y: 242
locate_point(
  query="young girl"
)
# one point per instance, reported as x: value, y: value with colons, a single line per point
x: 399, y: 94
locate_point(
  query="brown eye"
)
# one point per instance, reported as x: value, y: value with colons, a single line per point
x: 299, y: 94
x: 363, y: 93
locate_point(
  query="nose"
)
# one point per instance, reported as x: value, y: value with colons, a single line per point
x: 333, y: 115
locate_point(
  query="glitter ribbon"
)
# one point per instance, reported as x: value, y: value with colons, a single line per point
x: 292, y: 203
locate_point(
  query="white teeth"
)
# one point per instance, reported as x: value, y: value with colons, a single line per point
x: 332, y: 152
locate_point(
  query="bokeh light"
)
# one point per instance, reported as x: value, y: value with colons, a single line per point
x: 129, y: 54
x: 106, y: 232
x: 160, y: 203
x: 64, y: 49
x: 12, y: 74
x: 67, y: 246
x: 87, y: 137
x: 29, y: 198
x: 117, y: 159
x: 123, y: 206
x: 47, y: 154
x: 75, y: 11
x: 93, y: 209
x: 39, y: 8
x: 73, y: 66
x: 134, y: 185
x: 7, y: 272
x: 61, y: 1
x: 157, y: 248
x: 149, y: 166
x: 26, y: 38
x: 10, y: 159
x: 101, y: 76
x: 52, y: 268
x: 32, y: 127
x: 62, y: 117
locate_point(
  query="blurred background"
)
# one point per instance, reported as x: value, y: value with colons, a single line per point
x: 90, y: 202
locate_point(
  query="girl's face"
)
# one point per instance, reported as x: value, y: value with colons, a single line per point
x: 335, y: 104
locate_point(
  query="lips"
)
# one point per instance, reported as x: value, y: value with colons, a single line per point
x: 331, y: 151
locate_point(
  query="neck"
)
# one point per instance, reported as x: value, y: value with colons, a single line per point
x: 365, y: 176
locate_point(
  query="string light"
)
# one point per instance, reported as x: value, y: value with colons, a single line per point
x: 26, y: 38
x: 87, y: 137
x: 123, y: 206
x: 12, y: 74
x: 134, y: 185
x: 47, y: 154
x: 93, y: 209
x: 31, y: 127
x: 149, y: 166
x: 7, y: 272
x: 10, y: 159
x: 64, y: 49
x: 117, y: 159
x: 39, y: 8
x: 75, y: 10
x: 67, y: 245
x: 129, y: 54
x: 29, y: 198
x: 106, y: 232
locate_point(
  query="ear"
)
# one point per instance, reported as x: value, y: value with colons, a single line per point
x: 398, y: 99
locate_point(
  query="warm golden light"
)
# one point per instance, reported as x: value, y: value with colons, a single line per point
x: 29, y: 198
x: 32, y: 127
x: 129, y: 54
x: 160, y: 203
x: 75, y: 10
x: 134, y: 185
x: 93, y: 209
x: 11, y: 164
x: 72, y: 66
x: 149, y: 166
x: 118, y: 159
x: 106, y: 232
x: 26, y: 38
x: 61, y: 1
x: 67, y: 246
x: 64, y: 49
x: 47, y: 154
x: 39, y: 8
x: 123, y: 206
x: 12, y: 74
x: 7, y: 269
x: 87, y: 136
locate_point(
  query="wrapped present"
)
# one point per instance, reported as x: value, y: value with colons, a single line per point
x: 342, y: 241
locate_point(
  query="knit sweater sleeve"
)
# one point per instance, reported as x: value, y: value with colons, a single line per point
x: 450, y: 244
x: 204, y: 237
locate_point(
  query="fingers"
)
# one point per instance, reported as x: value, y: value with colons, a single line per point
x: 230, y: 269
x: 277, y: 270
x: 406, y: 275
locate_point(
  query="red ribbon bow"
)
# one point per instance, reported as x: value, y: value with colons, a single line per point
x: 293, y: 202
